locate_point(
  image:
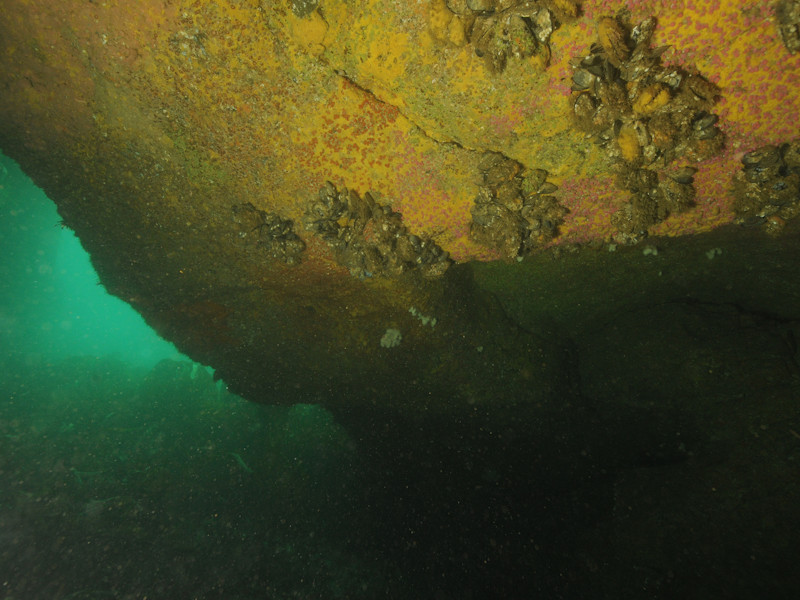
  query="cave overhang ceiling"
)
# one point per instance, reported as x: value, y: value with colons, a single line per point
x: 308, y: 154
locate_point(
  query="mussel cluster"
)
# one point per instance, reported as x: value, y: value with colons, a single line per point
x: 787, y: 16
x: 269, y: 231
x: 369, y: 239
x: 646, y: 116
x: 514, y: 211
x: 500, y: 29
x: 654, y: 196
x: 767, y: 189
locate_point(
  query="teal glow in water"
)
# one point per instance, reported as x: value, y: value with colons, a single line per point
x: 51, y: 303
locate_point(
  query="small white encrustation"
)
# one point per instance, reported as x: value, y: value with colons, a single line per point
x: 391, y: 338
x: 424, y: 319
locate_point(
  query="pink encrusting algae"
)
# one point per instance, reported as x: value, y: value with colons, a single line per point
x: 591, y: 203
x: 735, y: 46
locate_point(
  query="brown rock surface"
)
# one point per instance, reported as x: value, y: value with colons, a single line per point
x: 151, y: 124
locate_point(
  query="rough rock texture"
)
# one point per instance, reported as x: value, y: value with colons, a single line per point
x: 583, y: 423
x: 151, y: 124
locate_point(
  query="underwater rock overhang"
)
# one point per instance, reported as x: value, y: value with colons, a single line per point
x: 187, y: 144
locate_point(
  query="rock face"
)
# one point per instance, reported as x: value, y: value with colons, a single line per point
x: 186, y: 143
x: 305, y: 195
